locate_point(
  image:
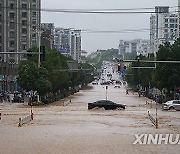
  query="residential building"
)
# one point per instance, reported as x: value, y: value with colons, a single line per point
x: 68, y: 42
x: 138, y: 46
x: 163, y: 27
x: 19, y: 27
x: 47, y: 35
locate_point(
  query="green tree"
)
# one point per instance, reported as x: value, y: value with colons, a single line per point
x: 30, y: 77
x: 167, y: 75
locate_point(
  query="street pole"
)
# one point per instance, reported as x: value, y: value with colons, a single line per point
x: 39, y: 55
x: 156, y: 117
x: 106, y: 92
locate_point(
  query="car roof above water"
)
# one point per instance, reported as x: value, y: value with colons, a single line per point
x: 108, y: 102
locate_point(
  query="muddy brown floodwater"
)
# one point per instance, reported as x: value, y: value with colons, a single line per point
x: 72, y: 129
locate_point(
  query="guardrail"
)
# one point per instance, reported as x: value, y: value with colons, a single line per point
x: 153, y: 120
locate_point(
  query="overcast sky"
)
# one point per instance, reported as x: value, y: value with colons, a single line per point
x: 107, y: 22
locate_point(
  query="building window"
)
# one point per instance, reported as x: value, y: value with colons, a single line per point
x: 11, y: 6
x: 24, y: 22
x: 24, y: 31
x: 12, y: 34
x: 24, y: 14
x: 34, y: 36
x: 166, y: 20
x: 171, y: 26
x: 11, y: 15
x: 11, y: 43
x: 172, y: 20
x: 33, y: 6
x: 23, y: 38
x: 33, y: 14
x: 12, y: 25
x: 166, y: 25
x: 34, y: 22
x: 34, y: 27
x: 24, y: 47
x: 24, y: 6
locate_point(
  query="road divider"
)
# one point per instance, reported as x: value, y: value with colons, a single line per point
x: 24, y: 120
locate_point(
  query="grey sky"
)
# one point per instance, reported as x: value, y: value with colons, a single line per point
x: 93, y: 41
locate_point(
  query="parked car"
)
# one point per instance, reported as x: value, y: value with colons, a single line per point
x: 171, y: 105
x: 106, y: 104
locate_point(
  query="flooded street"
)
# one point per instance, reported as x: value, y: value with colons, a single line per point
x: 72, y: 129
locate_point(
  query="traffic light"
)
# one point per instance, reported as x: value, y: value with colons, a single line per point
x: 42, y: 50
x: 119, y: 67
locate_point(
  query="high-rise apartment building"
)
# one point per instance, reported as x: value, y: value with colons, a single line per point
x: 138, y: 46
x: 163, y: 27
x: 19, y: 27
x: 68, y: 42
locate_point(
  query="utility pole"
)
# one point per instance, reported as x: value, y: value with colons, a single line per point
x: 39, y: 55
x: 178, y: 18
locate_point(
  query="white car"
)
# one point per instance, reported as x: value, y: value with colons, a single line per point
x: 171, y: 105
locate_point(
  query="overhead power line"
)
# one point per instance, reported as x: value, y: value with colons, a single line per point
x: 95, y: 11
x: 99, y: 31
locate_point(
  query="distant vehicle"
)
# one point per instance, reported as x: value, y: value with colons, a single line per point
x: 171, y: 105
x: 117, y: 86
x: 106, y: 104
x: 105, y: 83
x: 94, y: 83
x: 117, y: 82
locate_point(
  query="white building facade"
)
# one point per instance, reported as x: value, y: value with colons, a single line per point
x: 68, y: 42
x: 138, y: 46
x: 163, y: 28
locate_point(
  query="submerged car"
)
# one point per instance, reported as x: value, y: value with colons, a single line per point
x: 171, y: 105
x: 106, y: 104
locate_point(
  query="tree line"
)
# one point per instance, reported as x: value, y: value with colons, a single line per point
x: 164, y: 76
x: 52, y: 80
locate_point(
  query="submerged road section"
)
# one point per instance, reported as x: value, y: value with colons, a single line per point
x: 73, y: 129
